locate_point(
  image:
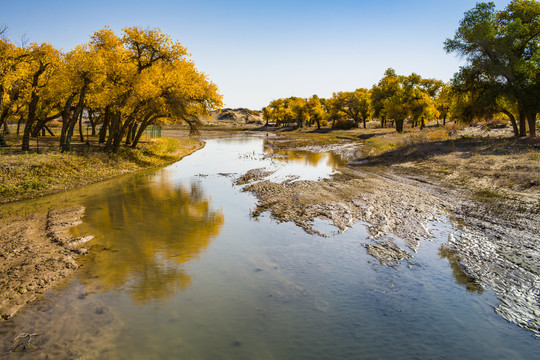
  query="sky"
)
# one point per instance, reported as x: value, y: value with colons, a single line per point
x: 258, y: 51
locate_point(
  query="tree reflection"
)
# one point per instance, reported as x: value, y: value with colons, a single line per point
x: 145, y: 233
x: 459, y: 274
x: 307, y: 157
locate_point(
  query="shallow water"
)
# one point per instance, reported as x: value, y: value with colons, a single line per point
x: 179, y: 269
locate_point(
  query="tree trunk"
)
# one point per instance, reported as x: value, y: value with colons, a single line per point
x: 81, y: 135
x: 19, y: 125
x: 45, y: 127
x: 104, y: 126
x: 531, y: 119
x: 142, y: 127
x: 422, y: 124
x: 76, y: 114
x: 66, y: 111
x: 134, y: 131
x: 32, y: 106
x: 120, y: 135
x: 364, y: 120
x: 512, y: 121
x: 522, y: 124
x: 399, y: 126
x: 41, y: 125
x: 3, y: 120
x: 114, y: 127
x: 37, y: 129
x: 128, y: 134
x: 92, y: 122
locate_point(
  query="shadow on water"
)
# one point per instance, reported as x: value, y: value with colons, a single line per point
x: 459, y: 274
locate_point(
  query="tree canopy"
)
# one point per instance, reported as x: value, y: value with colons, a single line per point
x: 502, y: 49
x: 125, y: 82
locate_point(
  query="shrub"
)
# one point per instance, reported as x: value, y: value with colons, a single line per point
x: 495, y: 124
x: 452, y: 128
x: 345, y: 124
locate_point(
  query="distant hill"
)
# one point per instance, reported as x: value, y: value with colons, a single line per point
x: 237, y: 116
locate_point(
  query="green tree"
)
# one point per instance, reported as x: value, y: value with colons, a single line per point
x: 502, y: 49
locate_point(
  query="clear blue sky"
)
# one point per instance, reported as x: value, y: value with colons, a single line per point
x: 257, y: 51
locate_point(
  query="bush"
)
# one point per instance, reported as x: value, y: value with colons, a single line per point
x: 452, y: 128
x: 495, y: 124
x: 344, y: 124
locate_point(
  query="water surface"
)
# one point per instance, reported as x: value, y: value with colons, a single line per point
x: 178, y: 269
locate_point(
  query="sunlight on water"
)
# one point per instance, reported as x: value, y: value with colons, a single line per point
x: 178, y: 269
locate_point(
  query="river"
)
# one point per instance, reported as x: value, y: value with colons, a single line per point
x: 180, y: 269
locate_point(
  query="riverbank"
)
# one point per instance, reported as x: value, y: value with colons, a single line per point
x: 31, y: 175
x: 36, y: 249
x: 401, y: 185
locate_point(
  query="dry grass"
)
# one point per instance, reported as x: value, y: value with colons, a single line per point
x: 28, y: 175
x: 488, y: 167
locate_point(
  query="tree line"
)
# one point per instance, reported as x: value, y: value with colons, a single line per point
x: 501, y: 78
x: 393, y: 100
x: 124, y: 82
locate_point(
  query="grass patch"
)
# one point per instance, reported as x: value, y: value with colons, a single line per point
x: 487, y: 194
x: 534, y: 155
x: 379, y: 145
x: 31, y: 175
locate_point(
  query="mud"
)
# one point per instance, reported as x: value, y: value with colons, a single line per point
x: 386, y: 206
x: 36, y: 252
x: 64, y: 328
x: 387, y: 252
x: 495, y: 243
x: 499, y: 247
x: 253, y: 175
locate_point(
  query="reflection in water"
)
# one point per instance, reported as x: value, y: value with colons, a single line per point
x: 459, y: 274
x: 307, y: 157
x: 263, y: 290
x: 146, y: 234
